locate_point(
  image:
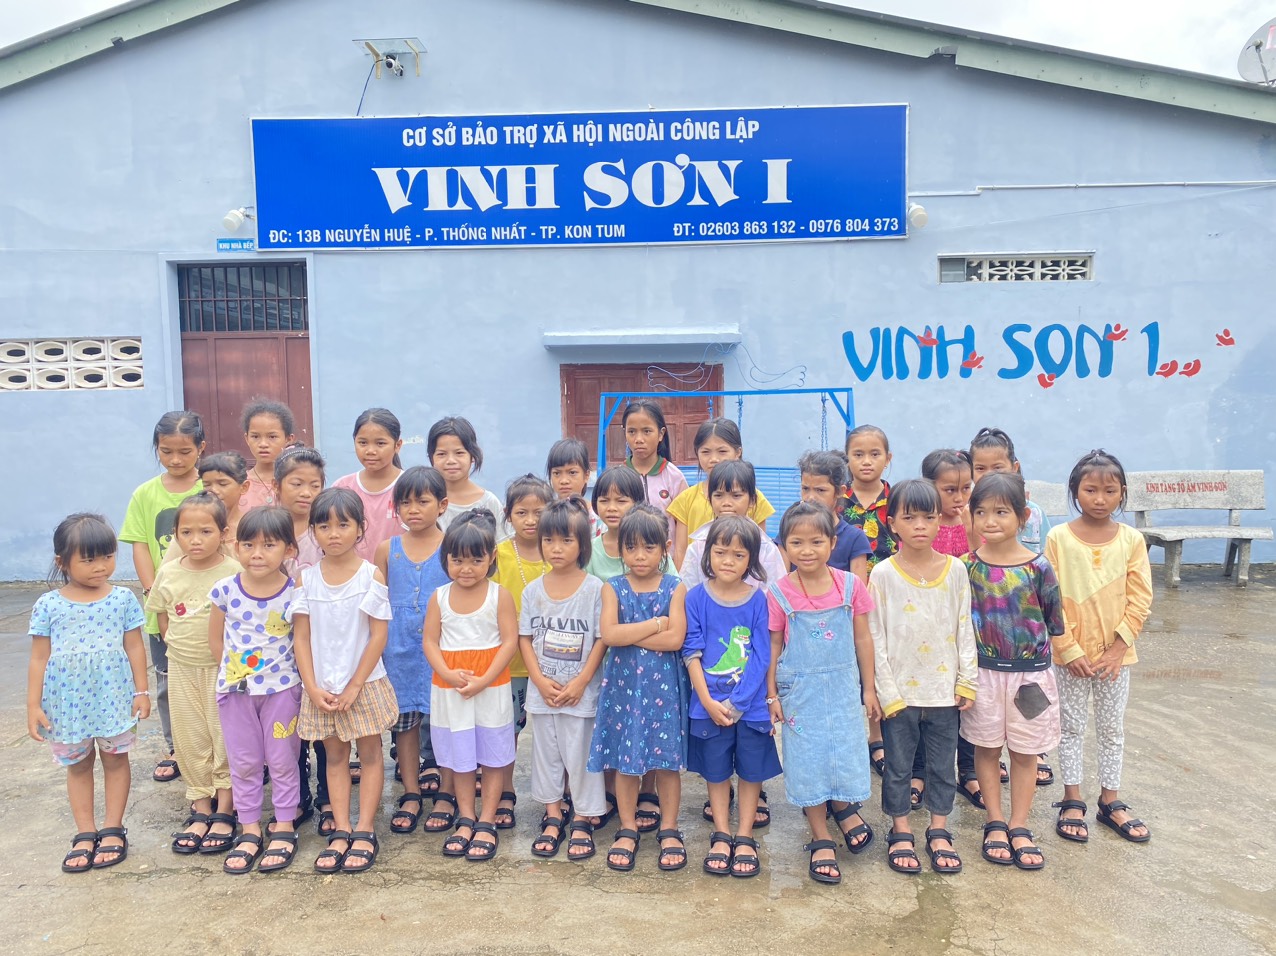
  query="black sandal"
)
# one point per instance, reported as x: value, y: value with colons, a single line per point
x: 1019, y: 852
x: 648, y: 820
x: 356, y: 773
x: 879, y: 763
x: 1104, y: 816
x: 121, y: 851
x: 915, y: 797
x: 752, y: 860
x: 456, y: 845
x: 937, y: 855
x: 413, y: 817
x: 850, y: 810
x: 80, y: 854
x: 763, y: 808
x: 545, y: 845
x: 679, y: 853
x: 429, y: 780
x: 893, y: 856
x: 1074, y: 822
x: 624, y: 834
x: 355, y: 853
x: 326, y: 825
x: 603, y: 820
x: 446, y: 818
x: 717, y: 836
x: 185, y: 849
x: 505, y: 817
x: 587, y: 841
x: 169, y: 764
x: 977, y: 798
x: 251, y: 839
x: 708, y: 813
x: 285, y: 836
x: 219, y: 842
x: 831, y: 878
x: 997, y: 826
x: 1005, y: 773
x: 1046, y: 769
x: 336, y: 856
x: 481, y: 852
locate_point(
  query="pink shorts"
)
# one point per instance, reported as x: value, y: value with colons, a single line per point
x: 994, y: 720
x: 68, y: 755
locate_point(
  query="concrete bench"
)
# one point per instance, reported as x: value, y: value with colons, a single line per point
x: 1230, y: 491
x: 1051, y: 498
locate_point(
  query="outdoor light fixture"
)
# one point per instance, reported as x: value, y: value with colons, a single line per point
x: 235, y: 218
x: 917, y: 215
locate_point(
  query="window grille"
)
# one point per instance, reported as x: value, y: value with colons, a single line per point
x: 28, y: 365
x: 1053, y: 267
x: 243, y: 298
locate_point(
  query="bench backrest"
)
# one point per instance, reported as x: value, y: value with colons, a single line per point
x: 1050, y: 497
x: 1216, y: 490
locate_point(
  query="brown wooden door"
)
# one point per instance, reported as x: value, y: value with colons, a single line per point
x: 223, y: 371
x: 582, y: 385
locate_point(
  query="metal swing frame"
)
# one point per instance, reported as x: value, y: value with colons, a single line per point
x: 609, y: 403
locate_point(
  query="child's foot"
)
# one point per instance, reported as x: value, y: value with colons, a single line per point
x: 459, y: 842
x: 327, y: 825
x: 995, y: 849
x: 362, y: 853
x: 905, y: 860
x: 745, y: 862
x: 621, y: 855
x: 970, y: 787
x: 1026, y: 855
x: 192, y: 833
x: 81, y: 855
x: 483, y: 843
x: 356, y: 773
x: 917, y: 790
x: 546, y: 845
x: 673, y: 852
x: 112, y: 852
x: 581, y: 847
x: 244, y: 855
x: 330, y: 860
x: 1071, y: 824
x: 718, y: 860
x: 858, y: 834
x: 1116, y: 816
x: 939, y: 847
x: 648, y: 813
x: 405, y: 818
x: 505, y: 819
x: 1045, y: 772
x: 877, y: 756
x: 823, y: 867
x: 279, y: 853
x: 166, y: 770
x: 762, y: 816
x: 443, y: 815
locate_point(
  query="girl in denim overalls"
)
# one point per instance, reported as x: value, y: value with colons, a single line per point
x: 821, y: 668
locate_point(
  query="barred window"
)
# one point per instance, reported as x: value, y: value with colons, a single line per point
x: 243, y: 298
x: 1052, y: 267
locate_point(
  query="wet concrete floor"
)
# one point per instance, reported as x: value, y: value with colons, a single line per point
x: 1200, y: 769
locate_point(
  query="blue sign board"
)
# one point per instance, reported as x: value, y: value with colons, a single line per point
x: 742, y: 175
x: 236, y: 245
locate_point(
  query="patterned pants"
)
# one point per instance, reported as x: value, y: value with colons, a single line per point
x: 1109, y: 724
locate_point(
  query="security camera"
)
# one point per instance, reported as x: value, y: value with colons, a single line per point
x: 393, y: 65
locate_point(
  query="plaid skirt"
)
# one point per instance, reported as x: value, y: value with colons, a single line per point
x: 374, y: 712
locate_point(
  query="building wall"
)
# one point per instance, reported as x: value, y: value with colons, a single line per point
x: 119, y: 167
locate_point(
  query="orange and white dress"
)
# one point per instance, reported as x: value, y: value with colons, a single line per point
x: 468, y: 733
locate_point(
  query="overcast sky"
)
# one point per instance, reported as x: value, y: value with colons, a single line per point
x: 1188, y: 34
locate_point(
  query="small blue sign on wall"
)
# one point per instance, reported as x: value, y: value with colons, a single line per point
x: 236, y: 245
x: 742, y: 175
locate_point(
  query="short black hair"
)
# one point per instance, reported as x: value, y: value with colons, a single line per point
x: 943, y: 459
x: 993, y: 438
x: 568, y: 518
x: 723, y: 428
x: 567, y: 451
x: 85, y: 534
x: 471, y: 535
x: 728, y: 528
x: 182, y: 422
x: 1099, y: 461
x: 737, y: 473
x: 342, y: 503
x: 644, y: 524
x: 229, y: 463
x: 460, y: 429
x: 418, y: 481
x: 859, y: 430
x: 623, y: 479
x: 264, y: 406
x: 206, y: 500
x: 528, y: 485
x: 806, y: 512
x: 651, y: 408
x: 1004, y: 486
x: 915, y: 494
x: 293, y: 458
x: 827, y: 464
x: 270, y: 522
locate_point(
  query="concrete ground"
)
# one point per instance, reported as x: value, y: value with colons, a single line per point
x: 1199, y: 768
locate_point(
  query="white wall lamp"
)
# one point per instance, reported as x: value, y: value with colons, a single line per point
x: 917, y: 215
x: 235, y: 218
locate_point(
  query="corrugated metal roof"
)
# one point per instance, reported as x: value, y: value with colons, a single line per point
x: 118, y: 26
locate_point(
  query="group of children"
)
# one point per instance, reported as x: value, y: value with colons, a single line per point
x: 918, y: 629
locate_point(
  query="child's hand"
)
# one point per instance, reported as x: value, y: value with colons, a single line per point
x: 37, y: 719
x: 872, y: 707
x: 963, y: 703
x: 777, y: 712
x: 322, y: 699
x: 1081, y: 667
x: 458, y: 678
x: 142, y: 706
x: 472, y: 686
x: 550, y: 689
x: 720, y: 713
x: 570, y: 694
x: 1108, y: 667
x: 345, y: 700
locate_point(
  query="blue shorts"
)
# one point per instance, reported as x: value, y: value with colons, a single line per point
x: 717, y: 752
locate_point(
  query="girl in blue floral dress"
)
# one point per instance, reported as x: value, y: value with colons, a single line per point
x: 86, y: 686
x: 642, y: 707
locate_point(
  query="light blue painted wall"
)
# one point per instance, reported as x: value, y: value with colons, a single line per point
x: 118, y: 166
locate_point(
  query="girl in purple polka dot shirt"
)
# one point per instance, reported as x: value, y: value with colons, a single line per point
x: 258, y: 688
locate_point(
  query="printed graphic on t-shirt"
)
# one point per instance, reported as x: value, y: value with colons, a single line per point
x: 736, y: 656
x: 563, y: 645
x: 165, y: 527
